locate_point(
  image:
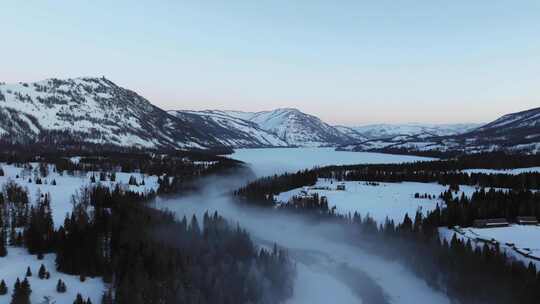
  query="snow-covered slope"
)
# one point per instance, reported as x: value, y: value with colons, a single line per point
x: 94, y: 111
x: 352, y: 133
x: 295, y: 127
x: 234, y: 131
x: 528, y: 119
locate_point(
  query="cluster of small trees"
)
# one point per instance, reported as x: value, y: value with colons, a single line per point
x: 80, y: 300
x: 424, y: 196
x: 21, y: 292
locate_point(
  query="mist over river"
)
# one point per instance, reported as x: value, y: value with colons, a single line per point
x: 330, y: 269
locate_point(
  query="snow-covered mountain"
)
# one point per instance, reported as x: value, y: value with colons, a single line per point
x: 514, y: 132
x: 233, y: 131
x: 352, y: 133
x: 380, y: 131
x: 93, y: 111
x: 295, y: 127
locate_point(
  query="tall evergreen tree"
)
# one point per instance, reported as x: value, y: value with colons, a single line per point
x: 3, y: 288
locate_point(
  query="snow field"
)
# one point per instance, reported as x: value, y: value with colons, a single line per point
x: 67, y: 185
x: 392, y: 200
x: 14, y: 266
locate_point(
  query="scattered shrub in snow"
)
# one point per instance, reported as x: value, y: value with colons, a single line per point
x: 28, y: 272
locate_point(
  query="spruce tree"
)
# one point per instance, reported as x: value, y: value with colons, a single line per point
x: 42, y: 272
x: 28, y: 272
x: 21, y: 292
x: 61, y: 286
x: 16, y: 292
x: 3, y: 249
x: 3, y: 288
x: 79, y: 299
x: 26, y: 290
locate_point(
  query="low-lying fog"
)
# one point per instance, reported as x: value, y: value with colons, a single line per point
x: 330, y: 270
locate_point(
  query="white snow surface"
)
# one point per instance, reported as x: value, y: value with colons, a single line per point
x: 14, y: 266
x: 392, y: 200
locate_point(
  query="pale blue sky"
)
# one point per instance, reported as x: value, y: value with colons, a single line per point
x: 349, y: 62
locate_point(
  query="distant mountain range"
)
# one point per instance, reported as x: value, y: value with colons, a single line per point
x: 378, y: 131
x: 96, y: 111
x: 519, y: 132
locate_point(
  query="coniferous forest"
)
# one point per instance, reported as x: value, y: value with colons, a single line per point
x: 144, y: 254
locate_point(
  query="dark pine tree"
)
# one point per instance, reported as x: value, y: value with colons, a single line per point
x: 42, y: 274
x: 28, y: 272
x: 61, y: 286
x: 3, y: 288
x: 21, y: 292
x: 79, y: 299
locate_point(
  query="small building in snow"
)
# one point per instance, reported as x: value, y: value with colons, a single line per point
x: 527, y: 220
x: 341, y: 187
x: 491, y: 223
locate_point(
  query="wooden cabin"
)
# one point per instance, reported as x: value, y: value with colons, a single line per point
x: 527, y: 220
x: 491, y: 223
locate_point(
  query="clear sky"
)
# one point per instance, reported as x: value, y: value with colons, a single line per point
x: 349, y: 62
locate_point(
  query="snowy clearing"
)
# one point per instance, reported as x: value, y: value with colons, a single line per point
x: 392, y: 200
x: 67, y: 185
x: 14, y: 266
